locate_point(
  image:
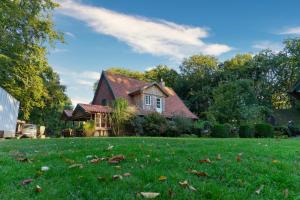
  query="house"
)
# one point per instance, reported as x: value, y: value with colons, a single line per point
x: 295, y: 91
x: 144, y: 96
x: 9, y: 110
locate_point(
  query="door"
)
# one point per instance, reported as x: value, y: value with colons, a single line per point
x: 159, y: 105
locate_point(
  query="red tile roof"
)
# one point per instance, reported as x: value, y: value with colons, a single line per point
x: 89, y: 108
x: 122, y: 86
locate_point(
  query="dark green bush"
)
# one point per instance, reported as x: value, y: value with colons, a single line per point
x: 201, y: 128
x: 264, y: 130
x: 135, y: 126
x: 246, y: 131
x: 294, y: 128
x: 220, y: 131
x: 154, y: 125
x: 280, y: 131
x: 171, y: 129
x: 184, y: 125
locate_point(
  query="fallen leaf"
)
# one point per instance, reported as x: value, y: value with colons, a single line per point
x: 126, y: 174
x: 192, y: 188
x: 116, y: 159
x: 150, y: 195
x: 239, y: 157
x: 96, y: 160
x: 26, y: 181
x: 23, y: 159
x: 198, y: 173
x: 44, y: 168
x: 258, y: 191
x: 38, y: 188
x: 162, y: 178
x: 219, y: 157
x: 115, y: 177
x: 275, y: 161
x: 286, y: 193
x: 118, y: 167
x: 80, y: 166
x: 184, y: 183
x: 67, y: 160
x: 205, y: 161
x: 110, y: 147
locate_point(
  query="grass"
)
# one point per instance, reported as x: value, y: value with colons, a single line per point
x: 273, y: 163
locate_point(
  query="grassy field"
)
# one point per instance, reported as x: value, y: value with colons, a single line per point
x: 265, y: 169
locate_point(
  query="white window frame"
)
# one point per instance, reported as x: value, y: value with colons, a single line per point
x: 160, y: 103
x: 148, y: 100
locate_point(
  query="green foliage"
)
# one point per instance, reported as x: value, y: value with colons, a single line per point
x: 246, y: 131
x: 122, y: 113
x: 89, y: 128
x: 220, y: 131
x: 282, y: 131
x: 183, y: 125
x: 162, y: 72
x: 154, y: 125
x: 127, y: 72
x: 136, y: 125
x: 264, y: 130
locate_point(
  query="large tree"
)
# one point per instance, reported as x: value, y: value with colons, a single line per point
x: 26, y: 30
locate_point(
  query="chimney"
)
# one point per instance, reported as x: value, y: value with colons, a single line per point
x: 162, y: 83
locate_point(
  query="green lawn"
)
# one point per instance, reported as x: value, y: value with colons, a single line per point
x: 270, y: 164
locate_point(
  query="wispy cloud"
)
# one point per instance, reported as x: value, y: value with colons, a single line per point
x: 266, y: 44
x: 58, y: 50
x: 70, y: 34
x: 291, y: 31
x: 144, y: 35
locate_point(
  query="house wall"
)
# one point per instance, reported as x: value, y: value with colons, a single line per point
x: 103, y: 92
x: 9, y: 110
x: 155, y: 92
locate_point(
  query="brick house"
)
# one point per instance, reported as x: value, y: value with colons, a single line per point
x: 146, y: 97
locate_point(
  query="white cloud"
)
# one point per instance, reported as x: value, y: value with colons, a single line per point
x: 291, y: 31
x: 156, y: 37
x: 58, y: 50
x: 70, y: 34
x: 274, y: 46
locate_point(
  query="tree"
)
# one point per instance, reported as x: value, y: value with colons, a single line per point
x: 127, y: 72
x: 121, y: 115
x: 162, y: 72
x: 235, y: 102
x: 26, y: 28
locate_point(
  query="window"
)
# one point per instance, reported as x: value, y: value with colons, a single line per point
x: 158, y: 103
x: 148, y: 100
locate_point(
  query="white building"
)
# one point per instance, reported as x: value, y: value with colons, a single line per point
x: 9, y: 110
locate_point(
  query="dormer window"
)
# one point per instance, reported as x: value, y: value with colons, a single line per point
x: 148, y: 100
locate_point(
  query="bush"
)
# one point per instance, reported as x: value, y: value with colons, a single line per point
x: 135, y: 126
x: 184, y: 125
x: 154, y: 125
x: 171, y: 129
x: 246, y: 131
x: 282, y: 131
x: 264, y: 130
x: 201, y: 128
x: 293, y: 128
x: 89, y: 128
x: 220, y: 131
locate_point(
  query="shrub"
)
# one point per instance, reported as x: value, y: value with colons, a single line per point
x: 282, y: 131
x: 184, y: 125
x: 246, y: 131
x: 135, y: 125
x: 220, y: 131
x: 294, y: 129
x: 171, y: 129
x: 89, y: 128
x: 264, y: 130
x: 201, y: 128
x: 154, y: 125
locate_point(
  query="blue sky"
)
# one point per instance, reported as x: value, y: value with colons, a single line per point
x: 139, y: 34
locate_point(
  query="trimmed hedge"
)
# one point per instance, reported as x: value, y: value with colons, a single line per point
x: 246, y: 131
x: 264, y: 130
x: 220, y: 131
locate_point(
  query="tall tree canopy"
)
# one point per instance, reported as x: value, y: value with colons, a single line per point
x: 26, y: 30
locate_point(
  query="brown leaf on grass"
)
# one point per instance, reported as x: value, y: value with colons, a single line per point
x: 95, y: 161
x: 162, y: 178
x: 76, y: 165
x: 198, y: 173
x: 24, y: 159
x: 286, y: 193
x: 258, y: 191
x: 26, y: 181
x: 126, y: 174
x: 38, y: 189
x: 116, y: 159
x: 219, y: 157
x: 116, y: 177
x: 239, y: 157
x: 204, y: 161
x: 70, y: 161
x: 150, y: 195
